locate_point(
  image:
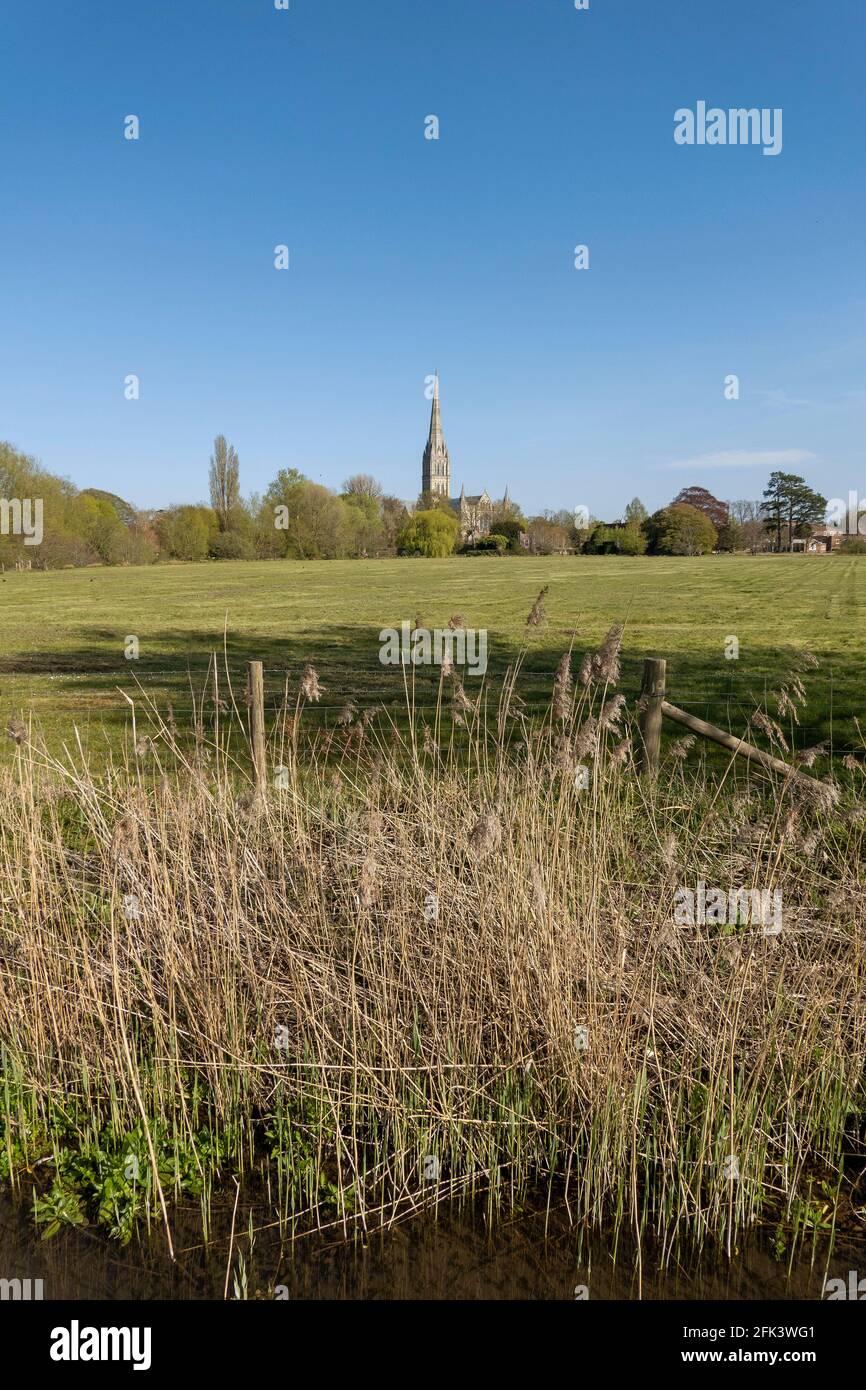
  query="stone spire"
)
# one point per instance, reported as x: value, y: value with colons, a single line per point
x: 436, y: 465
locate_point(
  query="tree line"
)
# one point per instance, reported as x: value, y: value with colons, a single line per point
x: 697, y: 523
x: 295, y: 518
x: 694, y: 523
x: 299, y: 519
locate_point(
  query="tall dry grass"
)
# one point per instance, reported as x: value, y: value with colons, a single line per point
x: 428, y: 964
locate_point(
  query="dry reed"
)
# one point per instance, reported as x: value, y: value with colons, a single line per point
x: 262, y: 983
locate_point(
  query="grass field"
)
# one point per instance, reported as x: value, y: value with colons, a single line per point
x: 62, y: 634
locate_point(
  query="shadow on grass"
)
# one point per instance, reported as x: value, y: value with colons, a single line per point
x: 177, y: 666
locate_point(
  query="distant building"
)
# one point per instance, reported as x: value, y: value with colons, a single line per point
x: 824, y: 538
x: 474, y: 513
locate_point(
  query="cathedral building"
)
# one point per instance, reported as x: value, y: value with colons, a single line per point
x: 475, y: 514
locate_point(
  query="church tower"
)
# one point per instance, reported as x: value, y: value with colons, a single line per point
x: 436, y: 465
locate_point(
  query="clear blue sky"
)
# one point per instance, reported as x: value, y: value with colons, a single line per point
x: 306, y: 127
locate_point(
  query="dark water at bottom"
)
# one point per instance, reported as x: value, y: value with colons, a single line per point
x: 455, y: 1256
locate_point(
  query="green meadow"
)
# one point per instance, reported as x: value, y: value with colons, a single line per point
x: 63, y: 634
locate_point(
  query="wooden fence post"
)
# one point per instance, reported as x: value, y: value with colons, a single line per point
x: 650, y: 722
x: 257, y: 722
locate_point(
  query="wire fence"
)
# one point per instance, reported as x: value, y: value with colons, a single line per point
x: 730, y: 710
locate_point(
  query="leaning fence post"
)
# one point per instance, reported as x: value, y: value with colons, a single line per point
x: 650, y: 722
x: 257, y: 721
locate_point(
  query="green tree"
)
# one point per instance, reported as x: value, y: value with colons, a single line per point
x: 235, y: 544
x: 732, y: 536
x: 97, y: 522
x: 309, y: 519
x: 225, y: 492
x: 125, y: 510
x: 614, y: 540
x: 428, y: 500
x: 63, y: 543
x: 510, y: 527
x: 681, y: 529
x: 138, y: 545
x: 630, y: 539
x: 599, y: 539
x: 789, y: 506
x: 363, y: 485
x: 393, y: 516
x: 280, y: 502
x: 363, y: 523
x: 186, y: 532
x: 773, y: 505
x: 432, y: 533
x: 633, y: 539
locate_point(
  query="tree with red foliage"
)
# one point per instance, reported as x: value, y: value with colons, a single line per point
x: 705, y: 502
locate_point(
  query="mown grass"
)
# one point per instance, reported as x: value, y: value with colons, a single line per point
x: 62, y: 633
x: 199, y: 983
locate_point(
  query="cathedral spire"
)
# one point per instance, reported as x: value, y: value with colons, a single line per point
x: 435, y: 438
x: 436, y: 465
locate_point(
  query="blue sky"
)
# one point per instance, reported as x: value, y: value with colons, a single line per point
x: 306, y: 127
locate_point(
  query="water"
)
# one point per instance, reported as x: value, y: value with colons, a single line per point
x: 454, y: 1257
